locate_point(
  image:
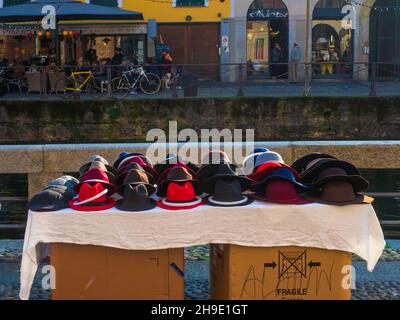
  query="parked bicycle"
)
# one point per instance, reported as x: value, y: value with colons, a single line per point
x: 78, y: 83
x: 131, y: 80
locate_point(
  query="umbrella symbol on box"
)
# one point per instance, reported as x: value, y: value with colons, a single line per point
x: 292, y: 264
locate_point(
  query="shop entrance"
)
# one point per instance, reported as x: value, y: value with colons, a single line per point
x: 267, y: 39
x: 385, y: 38
x: 332, y: 45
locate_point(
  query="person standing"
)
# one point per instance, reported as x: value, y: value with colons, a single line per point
x: 275, y: 59
x: 295, y: 57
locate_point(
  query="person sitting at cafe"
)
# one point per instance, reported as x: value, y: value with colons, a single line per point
x: 118, y: 56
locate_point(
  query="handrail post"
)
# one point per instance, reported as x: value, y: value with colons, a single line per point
x: 306, y: 80
x: 109, y: 76
x: 174, y: 82
x: 44, y: 82
x: 240, y: 91
x: 372, y: 91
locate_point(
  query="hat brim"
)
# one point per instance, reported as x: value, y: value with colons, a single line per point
x: 209, y: 183
x: 298, y: 200
x: 208, y: 170
x: 111, y: 188
x: 300, y: 164
x: 150, y: 205
x: 360, y: 199
x: 162, y: 188
x: 122, y: 160
x: 309, y: 175
x: 110, y: 204
x: 260, y: 186
x: 185, y: 206
x: 150, y: 188
x: 359, y: 183
x: 248, y: 201
x: 86, y: 167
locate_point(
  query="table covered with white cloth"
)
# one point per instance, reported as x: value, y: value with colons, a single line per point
x: 353, y: 228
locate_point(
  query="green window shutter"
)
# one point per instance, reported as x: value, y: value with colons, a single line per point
x: 8, y: 3
x: 190, y: 3
x: 106, y: 3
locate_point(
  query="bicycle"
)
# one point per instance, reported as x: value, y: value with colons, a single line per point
x: 77, y: 83
x: 149, y: 83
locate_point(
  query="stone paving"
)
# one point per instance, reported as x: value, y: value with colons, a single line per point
x: 382, y: 284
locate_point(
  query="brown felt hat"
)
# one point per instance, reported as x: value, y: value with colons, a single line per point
x: 135, y: 177
x: 178, y: 175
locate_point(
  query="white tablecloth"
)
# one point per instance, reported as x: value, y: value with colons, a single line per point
x: 352, y: 228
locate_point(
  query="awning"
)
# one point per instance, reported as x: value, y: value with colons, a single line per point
x: 67, y: 10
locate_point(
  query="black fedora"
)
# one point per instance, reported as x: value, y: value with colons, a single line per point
x: 300, y: 164
x: 224, y: 171
x: 135, y: 177
x: 178, y: 175
x: 227, y: 193
x: 316, y: 166
x: 283, y: 173
x: 136, y: 199
x: 132, y: 166
x: 51, y: 199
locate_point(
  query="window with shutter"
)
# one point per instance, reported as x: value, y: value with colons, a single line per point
x: 190, y: 3
x: 106, y: 3
x: 8, y: 3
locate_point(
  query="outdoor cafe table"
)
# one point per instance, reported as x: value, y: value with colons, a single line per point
x: 353, y: 228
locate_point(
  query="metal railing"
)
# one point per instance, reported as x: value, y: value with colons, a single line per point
x: 210, y: 80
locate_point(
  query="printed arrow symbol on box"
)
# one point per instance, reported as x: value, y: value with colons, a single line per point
x: 270, y: 265
x: 314, y: 264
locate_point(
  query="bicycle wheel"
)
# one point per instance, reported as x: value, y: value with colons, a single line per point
x: 150, y: 83
x: 93, y: 89
x: 120, y: 88
x: 64, y: 88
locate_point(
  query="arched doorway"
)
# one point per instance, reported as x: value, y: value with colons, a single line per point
x: 332, y: 45
x: 385, y: 38
x: 267, y: 27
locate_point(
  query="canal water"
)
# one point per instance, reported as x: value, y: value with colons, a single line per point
x: 13, y: 201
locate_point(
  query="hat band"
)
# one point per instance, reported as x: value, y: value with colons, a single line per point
x: 182, y: 204
x: 97, y: 196
x: 95, y: 180
x: 222, y: 203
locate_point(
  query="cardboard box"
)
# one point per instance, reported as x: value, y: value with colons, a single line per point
x: 97, y: 273
x: 295, y: 273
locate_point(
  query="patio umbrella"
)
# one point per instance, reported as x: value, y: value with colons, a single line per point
x: 66, y: 10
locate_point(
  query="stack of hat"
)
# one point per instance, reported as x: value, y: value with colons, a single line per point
x: 135, y: 182
x: 332, y: 181
x: 272, y: 180
x: 56, y: 196
x: 95, y: 187
x: 222, y: 181
x: 178, y: 184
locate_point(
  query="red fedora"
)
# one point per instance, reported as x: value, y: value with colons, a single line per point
x: 92, y: 198
x: 281, y: 191
x: 94, y: 176
x: 180, y: 196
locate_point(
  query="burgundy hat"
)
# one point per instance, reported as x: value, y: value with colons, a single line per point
x: 300, y: 164
x: 96, y: 176
x: 180, y: 196
x: 339, y: 193
x: 125, y: 156
x: 281, y: 191
x: 136, y: 177
x: 92, y: 198
x: 140, y: 161
x: 178, y: 175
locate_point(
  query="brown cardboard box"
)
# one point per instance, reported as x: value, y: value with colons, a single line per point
x: 282, y: 273
x: 97, y: 273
